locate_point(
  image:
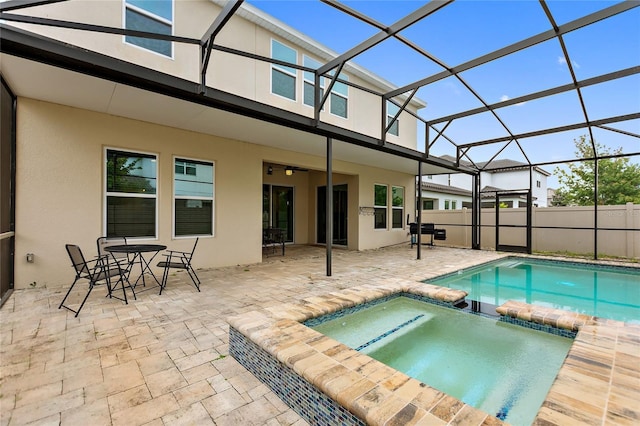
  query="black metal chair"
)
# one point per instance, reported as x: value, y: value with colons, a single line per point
x: 103, y: 242
x: 272, y: 240
x: 97, y: 271
x: 179, y: 260
x: 124, y: 261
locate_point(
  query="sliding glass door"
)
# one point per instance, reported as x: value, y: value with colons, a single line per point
x: 277, y: 209
x: 339, y: 215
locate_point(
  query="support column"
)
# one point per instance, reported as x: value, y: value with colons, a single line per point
x: 595, y: 209
x: 419, y: 218
x: 329, y: 206
x: 475, y: 213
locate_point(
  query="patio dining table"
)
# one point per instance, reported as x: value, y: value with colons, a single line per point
x: 143, y: 254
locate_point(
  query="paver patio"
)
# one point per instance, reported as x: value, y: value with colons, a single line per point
x: 163, y: 360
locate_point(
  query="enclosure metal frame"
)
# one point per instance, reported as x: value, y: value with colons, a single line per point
x: 41, y: 49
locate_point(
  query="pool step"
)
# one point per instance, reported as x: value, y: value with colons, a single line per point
x: 388, y: 333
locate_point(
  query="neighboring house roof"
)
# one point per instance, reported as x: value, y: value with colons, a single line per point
x: 275, y: 26
x: 498, y: 165
x: 445, y: 189
x: 490, y: 191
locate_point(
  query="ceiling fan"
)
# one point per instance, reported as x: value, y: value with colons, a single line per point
x: 288, y: 170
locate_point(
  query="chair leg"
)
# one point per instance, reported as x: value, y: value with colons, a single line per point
x: 124, y: 293
x: 165, y: 277
x: 68, y: 292
x: 85, y: 299
x: 194, y: 277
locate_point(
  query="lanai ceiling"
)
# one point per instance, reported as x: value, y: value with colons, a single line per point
x: 501, y: 79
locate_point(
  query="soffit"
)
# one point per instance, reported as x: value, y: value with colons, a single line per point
x: 57, y: 85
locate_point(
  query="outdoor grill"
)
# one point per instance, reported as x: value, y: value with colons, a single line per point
x: 426, y: 229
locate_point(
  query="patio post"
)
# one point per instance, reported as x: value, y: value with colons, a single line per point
x: 329, y: 206
x: 419, y: 218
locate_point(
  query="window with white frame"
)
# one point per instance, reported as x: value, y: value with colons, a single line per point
x: 392, y: 110
x: 380, y: 206
x: 309, y: 81
x: 340, y: 97
x: 447, y: 204
x: 397, y: 207
x: 453, y: 204
x: 193, y: 191
x: 151, y: 16
x: 283, y: 78
x: 130, y: 194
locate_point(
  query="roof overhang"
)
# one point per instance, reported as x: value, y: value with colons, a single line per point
x: 42, y: 68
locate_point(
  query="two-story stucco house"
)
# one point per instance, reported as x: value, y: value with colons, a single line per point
x: 451, y: 191
x: 210, y: 131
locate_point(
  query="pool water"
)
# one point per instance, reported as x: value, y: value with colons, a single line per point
x: 502, y: 369
x: 608, y: 292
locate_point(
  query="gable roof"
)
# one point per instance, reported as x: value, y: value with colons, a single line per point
x: 496, y: 166
x: 445, y: 189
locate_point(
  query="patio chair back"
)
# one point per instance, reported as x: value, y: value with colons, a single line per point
x: 96, y: 271
x: 193, y: 250
x: 179, y: 260
x: 77, y: 260
x: 104, y: 242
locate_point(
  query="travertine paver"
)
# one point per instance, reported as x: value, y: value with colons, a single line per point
x: 163, y: 360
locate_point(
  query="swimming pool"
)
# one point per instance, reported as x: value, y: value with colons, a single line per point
x: 603, y: 291
x: 491, y: 365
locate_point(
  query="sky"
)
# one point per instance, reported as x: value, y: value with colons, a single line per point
x: 467, y: 29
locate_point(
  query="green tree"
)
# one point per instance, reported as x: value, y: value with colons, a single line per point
x: 618, y: 178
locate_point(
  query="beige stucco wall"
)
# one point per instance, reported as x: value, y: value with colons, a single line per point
x: 231, y: 73
x: 60, y: 189
x: 60, y: 196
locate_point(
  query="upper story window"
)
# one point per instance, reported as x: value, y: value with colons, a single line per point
x: 155, y: 16
x: 309, y: 81
x: 340, y: 97
x: 283, y: 78
x: 392, y: 110
x: 380, y: 206
x: 130, y: 194
x: 193, y: 192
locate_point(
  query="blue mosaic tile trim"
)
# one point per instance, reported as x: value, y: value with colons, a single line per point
x: 388, y: 333
x: 304, y: 398
x: 540, y: 327
x: 312, y: 322
x: 428, y: 300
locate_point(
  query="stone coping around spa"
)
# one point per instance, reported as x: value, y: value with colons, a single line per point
x: 376, y: 393
x: 597, y: 383
x: 558, y: 318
